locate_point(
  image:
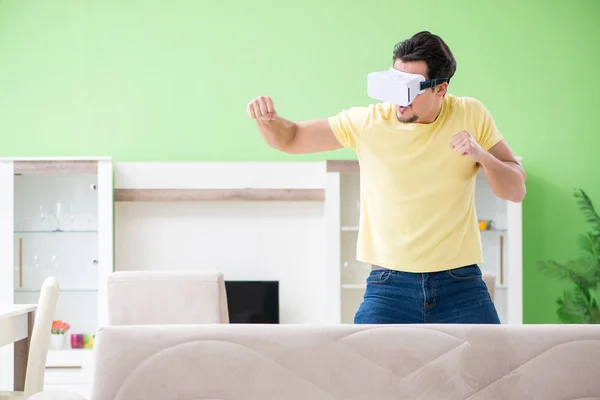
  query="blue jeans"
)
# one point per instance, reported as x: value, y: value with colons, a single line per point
x: 457, y: 296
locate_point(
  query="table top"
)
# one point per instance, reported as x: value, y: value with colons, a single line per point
x: 11, y: 310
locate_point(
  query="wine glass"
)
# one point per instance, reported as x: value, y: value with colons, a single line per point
x: 72, y: 215
x: 42, y: 218
x: 57, y: 215
x: 351, y: 271
x: 54, y: 264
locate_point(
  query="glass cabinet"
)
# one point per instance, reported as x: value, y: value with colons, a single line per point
x: 57, y: 221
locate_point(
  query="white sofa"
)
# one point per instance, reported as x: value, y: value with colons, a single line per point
x: 349, y: 362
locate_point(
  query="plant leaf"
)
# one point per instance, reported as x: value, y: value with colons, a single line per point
x: 589, y: 212
x: 569, y: 310
x: 582, y: 272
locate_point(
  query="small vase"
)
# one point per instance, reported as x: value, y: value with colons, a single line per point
x: 57, y: 341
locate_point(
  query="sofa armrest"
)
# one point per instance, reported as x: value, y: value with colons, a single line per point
x: 56, y: 395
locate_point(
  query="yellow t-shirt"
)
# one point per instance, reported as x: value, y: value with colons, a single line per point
x: 417, y: 194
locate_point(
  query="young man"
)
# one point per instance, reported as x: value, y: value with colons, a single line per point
x: 418, y: 226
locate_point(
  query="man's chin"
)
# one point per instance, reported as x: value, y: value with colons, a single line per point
x: 407, y: 119
x: 406, y: 114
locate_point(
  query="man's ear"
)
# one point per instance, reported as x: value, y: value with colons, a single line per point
x: 441, y: 89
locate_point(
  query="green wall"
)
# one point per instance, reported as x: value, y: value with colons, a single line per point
x: 169, y: 80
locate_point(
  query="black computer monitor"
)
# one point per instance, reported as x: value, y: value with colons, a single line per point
x: 253, y: 302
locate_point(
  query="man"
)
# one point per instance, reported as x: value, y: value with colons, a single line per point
x: 418, y: 226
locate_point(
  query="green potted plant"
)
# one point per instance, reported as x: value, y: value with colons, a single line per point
x: 579, y: 304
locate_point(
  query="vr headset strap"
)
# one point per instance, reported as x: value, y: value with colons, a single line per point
x: 433, y: 82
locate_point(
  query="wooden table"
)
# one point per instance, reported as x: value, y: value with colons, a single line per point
x: 16, y: 325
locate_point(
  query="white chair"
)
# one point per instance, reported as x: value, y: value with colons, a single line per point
x: 39, y: 343
x: 166, y: 297
x: 490, y: 281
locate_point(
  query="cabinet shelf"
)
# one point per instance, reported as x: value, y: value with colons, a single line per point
x: 69, y: 358
x: 69, y: 350
x: 248, y: 194
x: 61, y: 290
x: 354, y: 286
x: 53, y: 232
x: 355, y: 229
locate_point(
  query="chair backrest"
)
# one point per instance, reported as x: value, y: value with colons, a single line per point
x: 490, y: 281
x: 40, y: 337
x: 166, y: 297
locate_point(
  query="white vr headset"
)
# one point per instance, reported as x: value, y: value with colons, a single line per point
x: 398, y: 87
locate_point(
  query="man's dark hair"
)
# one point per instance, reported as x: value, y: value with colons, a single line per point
x: 425, y: 46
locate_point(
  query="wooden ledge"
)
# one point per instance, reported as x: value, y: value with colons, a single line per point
x: 164, y: 195
x: 89, y: 167
x: 342, y: 166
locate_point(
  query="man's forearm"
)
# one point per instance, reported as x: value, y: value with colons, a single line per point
x: 506, y: 178
x: 278, y: 133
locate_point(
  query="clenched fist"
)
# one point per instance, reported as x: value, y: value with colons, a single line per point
x: 262, y: 108
x: 464, y: 144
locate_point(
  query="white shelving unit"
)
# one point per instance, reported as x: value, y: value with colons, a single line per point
x: 57, y: 219
x: 248, y: 220
x: 502, y: 245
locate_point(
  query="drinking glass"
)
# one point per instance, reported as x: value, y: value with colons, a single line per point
x: 57, y: 215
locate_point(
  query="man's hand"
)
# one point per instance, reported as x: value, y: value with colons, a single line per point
x: 503, y: 171
x: 464, y: 144
x: 305, y: 137
x: 262, y: 108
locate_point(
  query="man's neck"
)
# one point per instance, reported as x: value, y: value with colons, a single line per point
x: 433, y: 116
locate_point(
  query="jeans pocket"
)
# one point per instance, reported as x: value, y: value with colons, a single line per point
x: 465, y: 273
x: 378, y: 277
